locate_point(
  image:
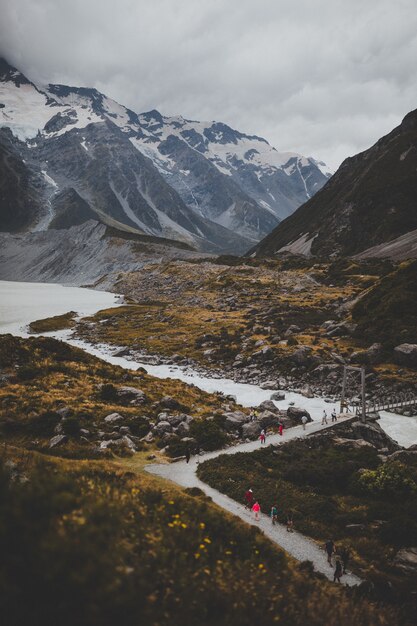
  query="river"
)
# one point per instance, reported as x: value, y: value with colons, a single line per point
x: 22, y: 303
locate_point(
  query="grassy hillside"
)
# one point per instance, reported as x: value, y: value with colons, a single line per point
x: 92, y: 544
x: 328, y: 489
x: 387, y: 313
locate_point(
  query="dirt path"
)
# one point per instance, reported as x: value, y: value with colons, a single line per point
x: 297, y: 545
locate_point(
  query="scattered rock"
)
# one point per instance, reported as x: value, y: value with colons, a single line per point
x: 251, y: 430
x: 131, y: 395
x: 406, y: 559
x: 278, y: 395
x: 406, y: 354
x: 295, y: 414
x: 112, y: 418
x: 58, y: 440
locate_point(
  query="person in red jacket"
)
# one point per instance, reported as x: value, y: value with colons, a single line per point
x: 256, y: 509
x: 249, y: 499
x: 280, y: 428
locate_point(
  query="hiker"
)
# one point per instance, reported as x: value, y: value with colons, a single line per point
x: 304, y: 421
x: 345, y: 556
x: 330, y: 549
x: 338, y: 569
x: 256, y: 509
x: 187, y: 454
x: 324, y: 418
x: 280, y: 428
x: 248, y: 499
x: 290, y: 523
x: 274, y: 514
x: 262, y: 436
x: 334, y: 416
x: 197, y: 452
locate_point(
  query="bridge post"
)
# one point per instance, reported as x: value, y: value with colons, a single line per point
x: 342, y: 397
x: 363, y: 394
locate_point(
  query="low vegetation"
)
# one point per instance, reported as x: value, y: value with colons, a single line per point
x: 344, y: 494
x: 51, y: 388
x: 51, y: 324
x: 96, y: 544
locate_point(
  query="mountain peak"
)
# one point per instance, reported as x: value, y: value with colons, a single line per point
x: 8, y: 73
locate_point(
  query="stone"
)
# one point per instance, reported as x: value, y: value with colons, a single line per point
x: 374, y: 434
x: 234, y: 421
x: 302, y: 356
x: 183, y: 429
x: 277, y: 396
x: 124, y: 430
x: 403, y: 455
x: 406, y: 354
x: 251, y: 430
x: 149, y: 438
x: 268, y: 405
x: 64, y: 411
x: 85, y: 432
x: 307, y: 392
x: 133, y: 396
x: 295, y: 414
x: 112, y: 418
x: 292, y: 329
x: 406, y: 559
x: 168, y: 402
x: 351, y: 444
x: 269, y: 384
x: 267, y: 419
x: 161, y: 428
x: 58, y: 440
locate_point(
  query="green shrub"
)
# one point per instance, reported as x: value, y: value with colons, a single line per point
x: 394, y: 480
x: 208, y: 434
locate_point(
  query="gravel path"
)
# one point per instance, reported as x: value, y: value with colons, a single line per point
x: 297, y: 545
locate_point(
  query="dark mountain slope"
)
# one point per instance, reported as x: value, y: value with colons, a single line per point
x: 371, y: 200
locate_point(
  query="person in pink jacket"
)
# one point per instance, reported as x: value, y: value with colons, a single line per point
x: 256, y: 509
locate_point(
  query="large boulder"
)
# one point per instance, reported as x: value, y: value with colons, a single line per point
x: 302, y: 355
x: 251, y: 430
x: 168, y: 402
x: 268, y: 405
x: 161, y: 428
x: 131, y: 395
x: 267, y: 419
x: 406, y: 354
x: 235, y: 420
x: 277, y: 396
x: 404, y: 456
x: 183, y: 429
x: 296, y: 414
x: 112, y: 418
x: 374, y: 434
x: 406, y: 560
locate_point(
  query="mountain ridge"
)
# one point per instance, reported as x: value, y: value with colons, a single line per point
x: 216, y: 190
x: 368, y: 204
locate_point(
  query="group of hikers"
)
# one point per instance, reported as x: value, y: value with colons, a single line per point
x: 253, y: 505
x: 324, y: 417
x: 340, y: 558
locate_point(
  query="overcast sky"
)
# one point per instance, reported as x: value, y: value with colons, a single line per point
x: 325, y: 78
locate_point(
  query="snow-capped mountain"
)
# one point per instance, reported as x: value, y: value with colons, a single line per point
x: 70, y: 154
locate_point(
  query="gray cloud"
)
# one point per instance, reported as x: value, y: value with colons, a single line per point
x: 325, y: 78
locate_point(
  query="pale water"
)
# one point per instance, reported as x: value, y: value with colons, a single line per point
x: 22, y: 303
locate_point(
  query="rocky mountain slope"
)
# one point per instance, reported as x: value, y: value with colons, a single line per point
x: 85, y: 254
x: 70, y: 154
x: 368, y: 208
